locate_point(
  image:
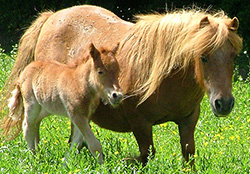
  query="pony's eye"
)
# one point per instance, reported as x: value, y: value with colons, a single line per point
x: 100, y: 72
x: 204, y: 59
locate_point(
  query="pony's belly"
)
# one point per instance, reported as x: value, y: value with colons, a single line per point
x: 111, y: 118
x: 151, y: 111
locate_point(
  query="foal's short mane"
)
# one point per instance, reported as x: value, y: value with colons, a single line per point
x: 164, y: 42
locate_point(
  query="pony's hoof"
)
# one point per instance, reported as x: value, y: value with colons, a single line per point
x: 136, y: 160
x: 130, y: 160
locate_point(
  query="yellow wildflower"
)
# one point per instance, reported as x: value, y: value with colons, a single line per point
x: 232, y: 137
x: 238, y: 137
x: 164, y: 125
x: 77, y: 170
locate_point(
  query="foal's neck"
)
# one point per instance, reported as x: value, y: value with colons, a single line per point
x: 85, y: 74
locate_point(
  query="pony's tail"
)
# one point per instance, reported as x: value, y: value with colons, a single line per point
x: 12, y: 124
x: 25, y: 55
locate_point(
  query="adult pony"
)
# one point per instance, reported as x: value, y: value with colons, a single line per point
x: 167, y: 61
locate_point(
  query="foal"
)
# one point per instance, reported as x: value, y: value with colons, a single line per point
x: 46, y: 88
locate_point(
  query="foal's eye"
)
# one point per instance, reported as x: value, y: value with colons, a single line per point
x: 204, y: 59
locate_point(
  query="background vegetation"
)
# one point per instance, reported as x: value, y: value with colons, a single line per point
x: 16, y: 16
x: 222, y: 144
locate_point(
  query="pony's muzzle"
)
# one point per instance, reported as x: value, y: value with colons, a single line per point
x: 222, y: 106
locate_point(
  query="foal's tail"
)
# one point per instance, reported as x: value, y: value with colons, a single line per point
x: 26, y: 49
x: 25, y: 55
x: 12, y: 123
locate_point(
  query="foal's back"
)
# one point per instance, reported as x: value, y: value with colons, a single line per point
x: 47, y: 83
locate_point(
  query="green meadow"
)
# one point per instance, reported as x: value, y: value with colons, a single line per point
x: 222, y: 144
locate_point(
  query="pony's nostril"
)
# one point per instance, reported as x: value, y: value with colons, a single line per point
x: 223, y: 106
x: 218, y: 105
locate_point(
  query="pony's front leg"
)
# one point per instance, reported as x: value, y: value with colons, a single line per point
x: 186, y: 131
x: 82, y: 123
x: 142, y: 131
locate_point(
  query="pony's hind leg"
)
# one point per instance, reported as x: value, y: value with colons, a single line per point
x: 82, y: 123
x: 30, y: 126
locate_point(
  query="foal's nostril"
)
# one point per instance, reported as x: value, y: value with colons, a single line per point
x: 114, y: 95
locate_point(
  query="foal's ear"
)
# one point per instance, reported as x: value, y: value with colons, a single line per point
x: 204, y: 22
x: 114, y: 50
x: 233, y: 24
x: 94, y: 52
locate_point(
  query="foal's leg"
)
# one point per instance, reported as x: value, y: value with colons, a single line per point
x: 82, y: 123
x: 30, y: 127
x: 76, y: 137
x: 43, y: 113
x: 186, y: 130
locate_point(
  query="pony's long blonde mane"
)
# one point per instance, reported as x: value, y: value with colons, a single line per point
x: 161, y: 43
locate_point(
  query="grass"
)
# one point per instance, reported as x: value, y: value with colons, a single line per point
x: 222, y: 144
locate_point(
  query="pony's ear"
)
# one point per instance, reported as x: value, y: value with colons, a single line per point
x: 204, y: 22
x: 233, y: 24
x: 94, y: 52
x: 114, y: 50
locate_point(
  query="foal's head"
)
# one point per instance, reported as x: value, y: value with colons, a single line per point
x: 106, y: 72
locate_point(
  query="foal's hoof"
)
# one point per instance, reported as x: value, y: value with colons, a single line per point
x: 101, y: 158
x: 82, y: 145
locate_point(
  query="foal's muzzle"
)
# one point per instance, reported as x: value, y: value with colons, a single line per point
x: 115, y: 98
x: 222, y: 106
